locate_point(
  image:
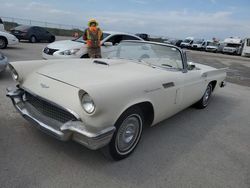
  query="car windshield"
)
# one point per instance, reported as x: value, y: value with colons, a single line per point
x: 187, y: 40
x: 80, y: 39
x: 152, y: 54
x: 233, y: 45
x: 22, y: 27
x: 198, y: 41
x: 212, y: 44
x: 105, y: 35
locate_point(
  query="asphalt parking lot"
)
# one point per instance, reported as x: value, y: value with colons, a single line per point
x: 195, y: 148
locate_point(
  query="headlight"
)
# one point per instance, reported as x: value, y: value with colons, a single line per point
x: 69, y: 52
x: 88, y: 103
x: 14, y: 73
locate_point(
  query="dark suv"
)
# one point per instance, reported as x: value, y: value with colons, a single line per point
x: 32, y: 34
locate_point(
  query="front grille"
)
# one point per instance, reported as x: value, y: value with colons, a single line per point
x: 49, y: 110
x: 49, y: 51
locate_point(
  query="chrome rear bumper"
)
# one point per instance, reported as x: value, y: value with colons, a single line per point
x: 75, y: 129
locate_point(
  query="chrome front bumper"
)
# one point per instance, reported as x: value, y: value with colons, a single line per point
x: 75, y: 130
x: 3, y: 64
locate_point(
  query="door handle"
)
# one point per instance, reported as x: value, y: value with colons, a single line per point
x: 168, y: 85
x: 204, y: 75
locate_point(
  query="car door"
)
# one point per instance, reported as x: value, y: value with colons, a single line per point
x: 34, y: 31
x: 189, y: 85
x: 42, y: 33
x: 114, y: 39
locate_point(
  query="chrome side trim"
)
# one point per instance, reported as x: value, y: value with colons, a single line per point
x: 57, y: 80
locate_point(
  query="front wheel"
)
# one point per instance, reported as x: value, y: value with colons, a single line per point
x: 33, y: 39
x: 52, y: 39
x: 203, y: 102
x: 127, y: 135
x: 3, y: 43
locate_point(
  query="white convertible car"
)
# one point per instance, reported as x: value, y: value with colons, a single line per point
x: 107, y: 102
x: 76, y: 48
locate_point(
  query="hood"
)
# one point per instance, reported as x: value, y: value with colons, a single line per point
x: 66, y: 45
x: 8, y: 35
x: 83, y: 73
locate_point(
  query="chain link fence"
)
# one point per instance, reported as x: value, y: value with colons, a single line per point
x: 19, y: 21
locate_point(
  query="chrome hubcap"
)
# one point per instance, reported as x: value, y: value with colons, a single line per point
x: 128, y: 133
x: 207, y: 95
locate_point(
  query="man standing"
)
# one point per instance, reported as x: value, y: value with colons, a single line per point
x: 93, y: 36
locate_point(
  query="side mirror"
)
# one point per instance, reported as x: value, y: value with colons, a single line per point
x: 107, y: 44
x: 191, y: 66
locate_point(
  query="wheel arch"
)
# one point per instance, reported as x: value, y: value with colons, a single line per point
x: 3, y: 37
x: 214, y: 83
x: 147, y: 109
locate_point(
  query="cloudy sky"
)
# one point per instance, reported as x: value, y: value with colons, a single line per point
x: 182, y: 18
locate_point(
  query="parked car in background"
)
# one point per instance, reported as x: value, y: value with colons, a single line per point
x: 7, y: 39
x: 33, y: 34
x: 232, y: 46
x: 221, y: 45
x: 77, y: 48
x: 143, y: 36
x: 3, y: 62
x: 76, y: 100
x: 178, y: 43
x: 175, y: 42
x: 212, y: 46
x: 199, y: 44
x: 1, y: 25
x: 187, y: 43
x: 246, y: 47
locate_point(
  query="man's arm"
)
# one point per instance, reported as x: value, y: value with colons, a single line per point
x: 85, y: 35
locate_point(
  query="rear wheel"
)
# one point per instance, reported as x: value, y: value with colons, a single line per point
x: 3, y: 43
x: 33, y: 39
x: 52, y: 39
x: 127, y: 135
x: 203, y: 102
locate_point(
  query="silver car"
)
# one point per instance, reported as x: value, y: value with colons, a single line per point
x: 3, y: 62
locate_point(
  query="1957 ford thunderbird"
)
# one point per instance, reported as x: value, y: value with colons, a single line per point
x: 107, y: 102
